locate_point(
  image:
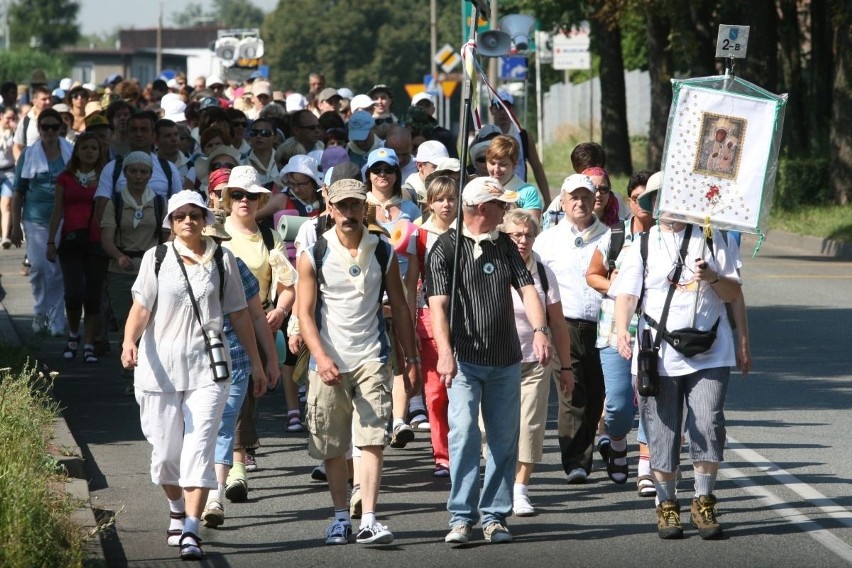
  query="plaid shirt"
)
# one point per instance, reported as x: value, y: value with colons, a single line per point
x: 240, y: 364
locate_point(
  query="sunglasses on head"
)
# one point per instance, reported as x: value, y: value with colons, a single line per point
x: 382, y: 170
x: 55, y: 126
x: 221, y: 166
x: 262, y: 132
x: 240, y: 195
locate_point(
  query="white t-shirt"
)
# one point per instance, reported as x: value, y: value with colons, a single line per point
x: 351, y: 327
x: 158, y: 183
x: 525, y: 329
x: 172, y: 356
x: 691, y: 297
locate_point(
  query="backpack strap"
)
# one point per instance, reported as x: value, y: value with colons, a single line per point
x: 643, y: 250
x: 159, y: 255
x: 542, y: 276
x: 159, y: 215
x: 167, y: 171
x: 116, y: 173
x: 616, y: 243
x: 268, y: 239
x: 118, y: 208
x: 319, y: 254
x: 383, y: 258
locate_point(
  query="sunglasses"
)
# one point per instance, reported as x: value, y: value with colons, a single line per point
x: 383, y: 170
x: 79, y: 95
x: 387, y: 120
x: 262, y: 132
x: 296, y: 184
x: 239, y: 124
x: 221, y: 166
x: 240, y: 195
x: 501, y: 204
x: 54, y: 126
x: 195, y: 217
x: 603, y: 189
x: 310, y: 127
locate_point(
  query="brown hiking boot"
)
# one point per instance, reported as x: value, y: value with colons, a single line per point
x: 668, y: 520
x: 703, y: 515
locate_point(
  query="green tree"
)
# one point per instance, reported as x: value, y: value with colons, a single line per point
x: 18, y: 64
x: 47, y: 24
x: 354, y: 43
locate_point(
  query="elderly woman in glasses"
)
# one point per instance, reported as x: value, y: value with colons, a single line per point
x: 180, y: 297
x: 523, y: 227
x: 689, y: 278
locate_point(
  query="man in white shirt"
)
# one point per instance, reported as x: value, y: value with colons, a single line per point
x: 27, y: 131
x: 567, y: 249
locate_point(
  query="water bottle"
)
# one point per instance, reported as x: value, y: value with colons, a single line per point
x: 647, y: 378
x: 218, y: 362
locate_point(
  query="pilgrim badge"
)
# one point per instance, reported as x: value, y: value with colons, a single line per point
x: 488, y: 268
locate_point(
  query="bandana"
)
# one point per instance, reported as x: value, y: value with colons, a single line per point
x: 205, y: 258
x: 128, y: 199
x: 385, y: 205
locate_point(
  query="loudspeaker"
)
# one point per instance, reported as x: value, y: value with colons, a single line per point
x: 226, y: 50
x: 494, y: 43
x: 518, y: 27
x: 251, y: 48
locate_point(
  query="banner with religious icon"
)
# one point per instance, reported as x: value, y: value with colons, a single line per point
x: 721, y: 153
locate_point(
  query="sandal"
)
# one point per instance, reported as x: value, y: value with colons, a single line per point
x: 645, y: 486
x: 604, y: 448
x: 294, y: 424
x: 613, y: 469
x: 89, y: 354
x: 190, y: 550
x: 173, y: 535
x: 70, y: 350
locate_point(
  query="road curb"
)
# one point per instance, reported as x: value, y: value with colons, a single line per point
x: 813, y: 246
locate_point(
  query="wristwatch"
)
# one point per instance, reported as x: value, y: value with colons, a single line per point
x: 543, y: 329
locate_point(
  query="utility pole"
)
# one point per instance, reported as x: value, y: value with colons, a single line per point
x: 159, y: 42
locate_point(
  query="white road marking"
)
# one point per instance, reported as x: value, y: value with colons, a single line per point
x: 791, y: 514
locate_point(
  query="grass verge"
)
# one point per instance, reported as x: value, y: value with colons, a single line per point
x: 35, y: 511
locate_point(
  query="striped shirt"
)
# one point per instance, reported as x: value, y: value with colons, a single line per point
x: 484, y: 331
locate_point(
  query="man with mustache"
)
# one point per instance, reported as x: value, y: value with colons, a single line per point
x: 341, y: 282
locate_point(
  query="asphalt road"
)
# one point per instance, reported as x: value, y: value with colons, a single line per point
x: 783, y: 491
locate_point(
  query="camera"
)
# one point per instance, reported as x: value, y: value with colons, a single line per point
x: 647, y: 378
x: 218, y: 362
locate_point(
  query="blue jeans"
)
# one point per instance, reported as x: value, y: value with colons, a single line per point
x: 225, y: 437
x: 619, y: 405
x: 497, y: 391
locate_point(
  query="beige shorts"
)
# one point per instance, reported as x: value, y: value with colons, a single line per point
x: 356, y: 411
x: 535, y: 388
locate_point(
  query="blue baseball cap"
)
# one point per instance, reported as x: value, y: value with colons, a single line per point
x: 384, y: 155
x: 360, y: 124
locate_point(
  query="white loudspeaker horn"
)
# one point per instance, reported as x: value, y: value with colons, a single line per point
x: 518, y: 27
x: 251, y: 48
x: 494, y: 43
x: 226, y: 50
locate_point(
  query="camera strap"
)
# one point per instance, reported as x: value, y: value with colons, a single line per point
x: 661, y: 326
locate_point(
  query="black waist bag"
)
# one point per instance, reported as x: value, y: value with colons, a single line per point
x: 687, y: 341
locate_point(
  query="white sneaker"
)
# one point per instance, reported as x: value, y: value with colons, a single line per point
x: 522, y: 507
x: 374, y: 534
x: 459, y: 534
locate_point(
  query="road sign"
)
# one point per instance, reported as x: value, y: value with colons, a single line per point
x: 569, y: 53
x: 513, y: 68
x: 447, y: 58
x: 414, y: 89
x: 732, y: 41
x: 431, y: 86
x: 545, y: 47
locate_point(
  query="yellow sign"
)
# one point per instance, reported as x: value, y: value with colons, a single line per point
x: 449, y: 87
x: 414, y: 89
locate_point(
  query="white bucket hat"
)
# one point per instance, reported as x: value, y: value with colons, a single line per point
x: 301, y: 164
x: 245, y: 178
x: 187, y: 197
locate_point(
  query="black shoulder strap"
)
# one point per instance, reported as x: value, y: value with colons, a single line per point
x: 616, y: 243
x: 159, y: 255
x: 116, y: 173
x: 167, y: 171
x: 661, y: 326
x: 159, y: 215
x: 383, y: 258
x: 268, y: 239
x: 319, y: 254
x: 525, y: 144
x: 542, y: 276
x: 26, y: 126
x: 118, y: 207
x: 218, y: 257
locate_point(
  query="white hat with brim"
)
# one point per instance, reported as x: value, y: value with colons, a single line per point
x: 187, y: 197
x: 578, y: 181
x: 484, y: 189
x: 361, y: 102
x: 448, y: 165
x: 655, y: 184
x: 431, y: 151
x: 301, y: 164
x: 245, y: 178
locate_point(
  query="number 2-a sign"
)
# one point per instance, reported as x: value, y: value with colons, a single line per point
x: 732, y: 42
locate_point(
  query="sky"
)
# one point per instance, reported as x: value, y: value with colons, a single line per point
x: 98, y: 16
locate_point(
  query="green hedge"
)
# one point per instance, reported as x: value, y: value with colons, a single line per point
x: 801, y: 182
x: 18, y: 65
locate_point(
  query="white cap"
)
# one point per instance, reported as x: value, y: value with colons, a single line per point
x: 345, y: 93
x: 213, y: 80
x: 578, y: 181
x: 295, y: 102
x: 361, y: 102
x: 173, y: 107
x: 187, y: 197
x: 301, y: 164
x: 431, y: 151
x: 245, y: 178
x: 424, y: 96
x: 448, y: 165
x: 482, y: 189
x: 65, y: 84
x: 90, y: 87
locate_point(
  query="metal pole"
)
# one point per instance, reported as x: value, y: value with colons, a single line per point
x: 433, y: 36
x: 465, y: 125
x: 539, y: 114
x: 159, y: 42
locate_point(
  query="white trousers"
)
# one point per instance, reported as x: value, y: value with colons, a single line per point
x: 45, y: 277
